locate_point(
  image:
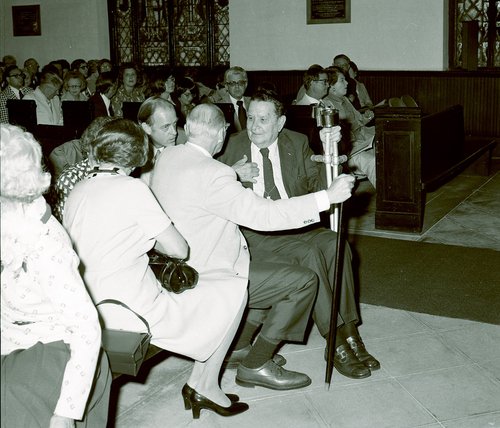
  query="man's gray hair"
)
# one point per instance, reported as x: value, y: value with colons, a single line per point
x: 204, y: 120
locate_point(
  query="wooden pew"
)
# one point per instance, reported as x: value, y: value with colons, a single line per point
x: 416, y: 153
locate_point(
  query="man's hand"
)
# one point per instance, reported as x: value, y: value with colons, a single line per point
x: 246, y: 171
x: 333, y: 133
x: 340, y: 189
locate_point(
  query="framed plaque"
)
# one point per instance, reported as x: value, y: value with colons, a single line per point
x: 328, y: 11
x: 26, y: 20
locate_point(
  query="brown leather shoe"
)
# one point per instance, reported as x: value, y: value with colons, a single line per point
x: 347, y: 363
x: 272, y: 376
x: 234, y: 359
x: 358, y: 347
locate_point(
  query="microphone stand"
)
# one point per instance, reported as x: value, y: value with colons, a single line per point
x: 327, y: 117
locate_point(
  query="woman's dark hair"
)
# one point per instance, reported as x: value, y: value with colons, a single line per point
x: 104, y: 82
x: 184, y: 84
x: 121, y: 142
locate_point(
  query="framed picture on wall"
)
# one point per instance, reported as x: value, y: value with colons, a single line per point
x: 328, y: 11
x: 26, y: 20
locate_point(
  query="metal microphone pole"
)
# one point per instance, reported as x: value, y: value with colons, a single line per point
x: 328, y: 118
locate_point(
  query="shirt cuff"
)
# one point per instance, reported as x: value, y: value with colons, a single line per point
x: 322, y: 200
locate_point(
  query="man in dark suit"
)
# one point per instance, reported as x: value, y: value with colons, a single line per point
x: 294, y: 174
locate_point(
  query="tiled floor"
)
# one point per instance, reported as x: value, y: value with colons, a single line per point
x: 436, y: 372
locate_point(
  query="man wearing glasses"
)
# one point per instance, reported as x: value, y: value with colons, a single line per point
x: 315, y: 85
x: 15, y: 90
x: 235, y: 85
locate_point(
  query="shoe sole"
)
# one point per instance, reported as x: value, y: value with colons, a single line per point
x: 251, y: 384
x: 351, y: 376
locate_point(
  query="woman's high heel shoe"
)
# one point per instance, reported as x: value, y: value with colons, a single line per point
x: 196, y: 402
x: 187, y: 391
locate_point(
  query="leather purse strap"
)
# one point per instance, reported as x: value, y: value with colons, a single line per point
x: 117, y: 302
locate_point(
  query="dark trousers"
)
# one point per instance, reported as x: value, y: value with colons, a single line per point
x: 280, y: 297
x: 31, y: 384
x: 313, y: 249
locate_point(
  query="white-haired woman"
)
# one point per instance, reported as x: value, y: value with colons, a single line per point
x: 53, y: 373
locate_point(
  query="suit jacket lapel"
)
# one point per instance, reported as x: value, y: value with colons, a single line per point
x: 287, y: 163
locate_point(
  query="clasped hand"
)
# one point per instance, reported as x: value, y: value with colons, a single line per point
x: 341, y: 188
x: 334, y: 135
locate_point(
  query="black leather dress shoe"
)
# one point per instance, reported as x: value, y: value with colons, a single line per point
x: 234, y: 359
x: 195, y: 401
x: 272, y: 376
x: 347, y: 363
x: 188, y: 391
x: 358, y: 347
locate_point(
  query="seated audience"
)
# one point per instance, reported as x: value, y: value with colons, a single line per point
x: 105, y: 65
x: 53, y: 371
x: 105, y: 90
x: 207, y: 203
x: 128, y: 89
x: 162, y: 83
x: 358, y: 139
x: 343, y: 62
x: 77, y: 171
x: 185, y: 98
x: 74, y: 85
x: 74, y: 151
x: 365, y: 101
x: 115, y: 218
x: 31, y: 67
x: 315, y: 83
x: 293, y: 174
x: 93, y: 65
x: 48, y: 104
x: 9, y: 60
x: 235, y: 85
x: 15, y: 89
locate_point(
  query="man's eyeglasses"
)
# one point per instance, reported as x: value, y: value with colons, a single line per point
x: 237, y: 83
x: 324, y: 81
x: 74, y: 86
x: 16, y: 75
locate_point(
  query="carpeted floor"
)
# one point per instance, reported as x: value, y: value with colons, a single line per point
x: 444, y: 280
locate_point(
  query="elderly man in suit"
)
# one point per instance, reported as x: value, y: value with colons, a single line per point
x: 206, y: 202
x: 15, y: 90
x: 285, y: 157
x: 235, y: 85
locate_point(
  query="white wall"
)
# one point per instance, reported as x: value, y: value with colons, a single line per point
x: 71, y: 29
x: 382, y: 35
x: 264, y: 34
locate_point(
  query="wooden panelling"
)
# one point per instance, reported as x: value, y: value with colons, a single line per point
x: 478, y: 92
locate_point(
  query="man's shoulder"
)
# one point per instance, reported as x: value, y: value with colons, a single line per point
x: 292, y: 137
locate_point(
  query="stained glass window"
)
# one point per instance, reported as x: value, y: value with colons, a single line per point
x: 487, y: 15
x: 170, y: 32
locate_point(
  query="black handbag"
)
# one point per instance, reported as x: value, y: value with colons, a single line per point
x: 175, y: 275
x: 126, y: 350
